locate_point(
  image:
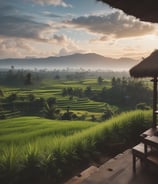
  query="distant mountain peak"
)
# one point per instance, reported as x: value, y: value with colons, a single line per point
x: 78, y: 60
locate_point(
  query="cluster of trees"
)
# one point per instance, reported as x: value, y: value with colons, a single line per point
x: 78, y: 92
x: 52, y: 112
x: 18, y: 77
x: 30, y: 105
x: 126, y: 93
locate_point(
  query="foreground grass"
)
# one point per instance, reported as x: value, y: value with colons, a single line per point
x: 19, y: 131
x: 51, y: 156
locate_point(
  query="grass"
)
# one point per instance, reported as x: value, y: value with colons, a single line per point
x: 47, y: 87
x: 53, y: 88
x: 83, y: 104
x: 23, y: 129
x: 34, y: 148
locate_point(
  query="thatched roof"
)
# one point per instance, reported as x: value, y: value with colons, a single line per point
x: 145, y: 10
x: 148, y: 67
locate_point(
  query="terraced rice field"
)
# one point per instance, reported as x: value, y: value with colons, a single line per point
x: 53, y: 88
x: 27, y: 129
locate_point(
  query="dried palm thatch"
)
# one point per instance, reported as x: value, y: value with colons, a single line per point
x: 148, y: 67
x: 145, y: 10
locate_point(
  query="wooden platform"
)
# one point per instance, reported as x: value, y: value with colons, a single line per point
x: 117, y: 171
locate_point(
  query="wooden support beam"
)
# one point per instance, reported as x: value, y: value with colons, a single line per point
x: 154, y: 101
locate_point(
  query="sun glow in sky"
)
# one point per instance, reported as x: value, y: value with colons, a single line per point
x: 42, y: 28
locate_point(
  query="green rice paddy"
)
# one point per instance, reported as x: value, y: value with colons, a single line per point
x: 51, y: 146
x: 54, y: 148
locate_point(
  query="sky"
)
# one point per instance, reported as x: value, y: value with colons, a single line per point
x: 43, y: 28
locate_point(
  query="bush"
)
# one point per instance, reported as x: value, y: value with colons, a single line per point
x: 143, y: 106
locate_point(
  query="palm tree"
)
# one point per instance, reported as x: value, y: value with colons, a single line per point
x: 50, y: 111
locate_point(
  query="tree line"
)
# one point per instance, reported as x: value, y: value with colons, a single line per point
x: 125, y: 93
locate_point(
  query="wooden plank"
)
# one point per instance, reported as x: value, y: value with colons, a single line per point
x: 153, y: 157
x: 149, y: 132
x: 151, y: 141
x: 139, y: 149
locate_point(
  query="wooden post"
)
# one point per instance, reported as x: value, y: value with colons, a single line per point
x: 154, y: 101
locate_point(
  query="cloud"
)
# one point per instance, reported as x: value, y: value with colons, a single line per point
x: 6, y: 9
x: 21, y: 26
x: 14, y: 24
x: 116, y: 25
x: 50, y: 14
x: 60, y: 39
x: 67, y: 45
x: 19, y: 34
x: 65, y: 51
x: 19, y: 48
x: 52, y: 2
x: 15, y: 48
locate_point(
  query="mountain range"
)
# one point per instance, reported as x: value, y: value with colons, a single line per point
x: 76, y: 61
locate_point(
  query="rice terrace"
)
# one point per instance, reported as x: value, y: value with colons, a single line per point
x: 52, y: 128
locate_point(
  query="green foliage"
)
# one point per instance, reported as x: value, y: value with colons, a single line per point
x: 143, y: 106
x: 53, y: 149
x: 100, y: 80
x: 127, y: 92
x: 9, y: 164
x: 9, y: 159
x: 33, y: 148
x: 51, y: 111
x: 12, y: 97
x: 31, y: 97
x: 80, y: 95
x: 1, y: 93
x: 109, y: 111
x: 28, y: 80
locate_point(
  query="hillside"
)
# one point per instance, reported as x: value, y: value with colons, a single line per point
x: 76, y: 61
x: 36, y: 150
